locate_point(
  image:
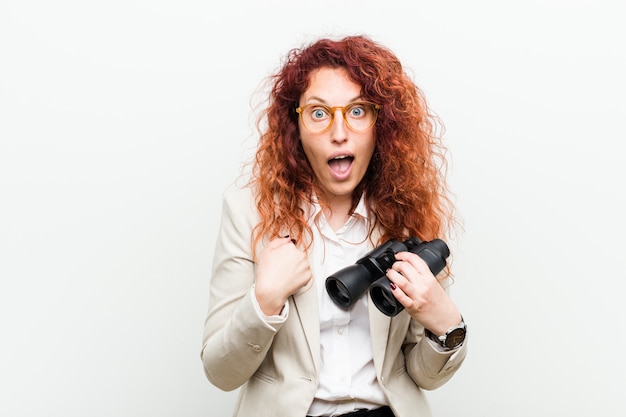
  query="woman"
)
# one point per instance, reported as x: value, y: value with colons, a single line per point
x: 349, y: 159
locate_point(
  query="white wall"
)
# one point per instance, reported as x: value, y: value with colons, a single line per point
x: 122, y: 122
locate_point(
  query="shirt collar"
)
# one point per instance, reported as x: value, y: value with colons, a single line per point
x: 360, y: 210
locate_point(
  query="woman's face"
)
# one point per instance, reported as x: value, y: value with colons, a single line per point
x: 339, y: 156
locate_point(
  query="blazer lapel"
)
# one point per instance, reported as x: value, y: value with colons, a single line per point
x: 380, y: 324
x: 379, y: 331
x: 306, y: 306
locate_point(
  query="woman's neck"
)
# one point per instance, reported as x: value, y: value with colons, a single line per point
x: 338, y: 212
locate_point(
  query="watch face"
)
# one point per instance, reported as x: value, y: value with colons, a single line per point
x: 455, y: 338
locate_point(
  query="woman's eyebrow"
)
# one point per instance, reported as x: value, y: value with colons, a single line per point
x: 321, y: 100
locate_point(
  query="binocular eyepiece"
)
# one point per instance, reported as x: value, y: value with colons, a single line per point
x: 346, y: 286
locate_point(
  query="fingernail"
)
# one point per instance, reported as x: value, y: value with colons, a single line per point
x: 392, y: 285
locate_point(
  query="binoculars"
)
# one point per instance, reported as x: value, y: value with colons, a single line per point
x: 347, y: 285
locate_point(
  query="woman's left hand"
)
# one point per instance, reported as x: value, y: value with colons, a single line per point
x: 423, y: 297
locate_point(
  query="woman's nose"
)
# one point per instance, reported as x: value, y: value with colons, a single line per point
x: 339, y: 129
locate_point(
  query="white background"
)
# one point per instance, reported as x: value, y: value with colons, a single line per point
x: 122, y: 122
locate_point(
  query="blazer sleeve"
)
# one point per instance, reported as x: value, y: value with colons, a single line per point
x: 428, y: 365
x: 236, y: 338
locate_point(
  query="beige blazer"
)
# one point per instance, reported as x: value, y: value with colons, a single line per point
x: 278, y: 370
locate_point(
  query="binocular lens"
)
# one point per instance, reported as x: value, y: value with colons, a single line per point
x: 340, y: 293
x: 351, y: 283
x: 383, y: 298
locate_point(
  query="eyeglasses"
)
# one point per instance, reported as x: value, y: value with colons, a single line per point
x: 359, y: 116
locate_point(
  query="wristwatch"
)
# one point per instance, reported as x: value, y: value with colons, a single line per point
x: 453, y: 338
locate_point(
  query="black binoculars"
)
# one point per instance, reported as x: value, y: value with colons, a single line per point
x: 346, y: 286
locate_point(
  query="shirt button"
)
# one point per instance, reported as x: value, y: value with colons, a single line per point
x: 340, y: 331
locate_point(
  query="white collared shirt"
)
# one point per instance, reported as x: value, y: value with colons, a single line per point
x: 347, y: 374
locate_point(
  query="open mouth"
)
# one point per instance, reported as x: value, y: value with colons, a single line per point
x: 341, y: 164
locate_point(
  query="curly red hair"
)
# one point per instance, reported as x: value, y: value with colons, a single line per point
x: 404, y: 187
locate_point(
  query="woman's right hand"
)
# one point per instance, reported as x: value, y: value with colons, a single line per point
x: 282, y: 270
